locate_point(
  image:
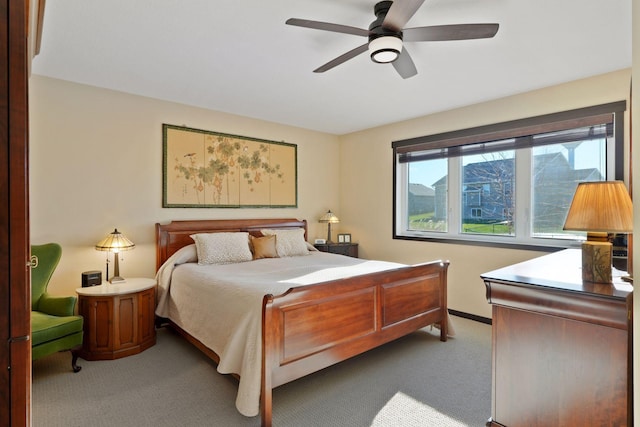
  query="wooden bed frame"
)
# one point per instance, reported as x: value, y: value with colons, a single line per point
x: 311, y: 327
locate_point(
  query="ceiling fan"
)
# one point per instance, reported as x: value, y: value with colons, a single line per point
x: 386, y: 35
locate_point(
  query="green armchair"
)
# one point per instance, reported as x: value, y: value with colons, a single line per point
x: 54, y: 327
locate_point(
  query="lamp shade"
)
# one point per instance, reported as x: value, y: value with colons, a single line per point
x: 603, y: 207
x: 115, y: 242
x: 329, y: 217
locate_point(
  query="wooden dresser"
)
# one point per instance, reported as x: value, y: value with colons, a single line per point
x: 561, y: 348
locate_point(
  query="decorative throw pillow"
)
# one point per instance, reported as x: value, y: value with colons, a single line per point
x: 288, y: 242
x: 222, y: 248
x: 263, y: 247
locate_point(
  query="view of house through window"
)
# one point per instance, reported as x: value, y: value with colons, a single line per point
x: 557, y: 170
x: 515, y: 190
x: 487, y: 197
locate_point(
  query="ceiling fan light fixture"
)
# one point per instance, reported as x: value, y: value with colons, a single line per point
x: 387, y: 32
x: 385, y: 49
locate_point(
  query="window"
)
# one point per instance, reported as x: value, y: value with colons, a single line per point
x: 509, y: 183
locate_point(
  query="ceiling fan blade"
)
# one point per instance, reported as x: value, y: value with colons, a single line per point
x: 450, y: 32
x: 326, y: 26
x: 400, y: 13
x: 404, y: 65
x: 342, y: 58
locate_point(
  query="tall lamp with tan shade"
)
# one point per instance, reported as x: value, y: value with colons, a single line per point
x: 599, y: 208
x: 115, y: 242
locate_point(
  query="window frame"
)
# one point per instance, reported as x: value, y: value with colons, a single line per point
x: 457, y: 143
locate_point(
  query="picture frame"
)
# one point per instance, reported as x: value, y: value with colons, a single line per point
x: 206, y: 169
x: 344, y: 238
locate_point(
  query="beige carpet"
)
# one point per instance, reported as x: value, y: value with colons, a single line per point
x: 415, y: 381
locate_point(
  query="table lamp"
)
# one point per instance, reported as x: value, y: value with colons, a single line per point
x: 329, y: 218
x: 115, y: 242
x: 599, y: 208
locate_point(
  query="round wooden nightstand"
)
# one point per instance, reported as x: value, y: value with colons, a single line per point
x: 118, y: 318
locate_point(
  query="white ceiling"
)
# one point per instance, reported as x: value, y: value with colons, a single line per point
x: 240, y: 57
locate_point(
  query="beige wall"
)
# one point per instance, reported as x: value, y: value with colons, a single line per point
x: 366, y: 163
x: 96, y: 164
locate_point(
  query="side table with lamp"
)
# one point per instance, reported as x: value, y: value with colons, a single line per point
x: 348, y: 249
x: 119, y: 314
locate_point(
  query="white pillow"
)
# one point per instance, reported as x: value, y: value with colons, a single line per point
x: 222, y: 248
x: 288, y: 242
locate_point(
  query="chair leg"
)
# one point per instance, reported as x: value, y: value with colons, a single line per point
x: 74, y: 360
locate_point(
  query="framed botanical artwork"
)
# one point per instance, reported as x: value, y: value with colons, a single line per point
x: 205, y: 169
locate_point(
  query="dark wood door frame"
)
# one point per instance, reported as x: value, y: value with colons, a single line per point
x: 15, y: 350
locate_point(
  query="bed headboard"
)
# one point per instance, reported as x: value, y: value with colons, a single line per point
x: 175, y: 235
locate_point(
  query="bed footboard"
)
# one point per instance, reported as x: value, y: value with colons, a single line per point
x: 310, y: 328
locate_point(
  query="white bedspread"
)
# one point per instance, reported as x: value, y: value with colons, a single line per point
x: 221, y: 305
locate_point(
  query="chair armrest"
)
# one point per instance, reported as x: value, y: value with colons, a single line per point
x: 57, y: 306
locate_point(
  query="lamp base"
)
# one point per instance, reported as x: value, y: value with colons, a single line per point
x: 597, y: 258
x: 116, y: 270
